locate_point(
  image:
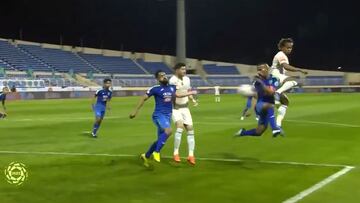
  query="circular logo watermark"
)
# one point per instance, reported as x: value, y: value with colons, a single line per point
x: 16, y: 173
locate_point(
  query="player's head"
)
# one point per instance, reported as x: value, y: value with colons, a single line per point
x: 161, y: 77
x: 286, y: 45
x: 263, y: 70
x: 5, y: 90
x: 180, y: 69
x: 107, y: 83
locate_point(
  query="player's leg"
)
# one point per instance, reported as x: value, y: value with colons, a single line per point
x: 188, y: 122
x: 99, y: 115
x: 164, y: 132
x: 284, y: 100
x: 287, y: 83
x: 262, y: 123
x: 177, y: 118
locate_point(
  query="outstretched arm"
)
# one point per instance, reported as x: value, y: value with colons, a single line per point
x: 181, y: 95
x: 3, y: 105
x: 291, y: 68
x: 138, y: 106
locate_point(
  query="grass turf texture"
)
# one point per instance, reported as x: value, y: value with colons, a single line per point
x: 58, y: 125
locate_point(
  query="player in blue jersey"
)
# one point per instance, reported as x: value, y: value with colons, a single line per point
x: 164, y: 95
x: 3, y: 93
x: 100, y: 103
x: 265, y: 86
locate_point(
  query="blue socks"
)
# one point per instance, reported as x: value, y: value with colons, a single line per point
x: 95, y: 128
x: 151, y: 150
x: 162, y: 137
x: 158, y: 144
x: 251, y: 132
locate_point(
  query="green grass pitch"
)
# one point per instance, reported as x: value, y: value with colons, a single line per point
x: 320, y: 128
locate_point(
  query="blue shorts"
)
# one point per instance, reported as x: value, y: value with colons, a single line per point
x: 263, y: 120
x: 99, y: 111
x: 162, y: 121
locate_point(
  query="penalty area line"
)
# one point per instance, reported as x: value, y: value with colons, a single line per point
x: 199, y: 158
x: 319, y: 185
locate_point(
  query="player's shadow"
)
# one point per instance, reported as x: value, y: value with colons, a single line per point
x: 233, y: 159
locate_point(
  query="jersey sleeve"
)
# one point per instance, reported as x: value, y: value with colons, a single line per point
x: 150, y: 92
x: 282, y: 58
x: 97, y: 93
x: 259, y: 85
x: 110, y: 96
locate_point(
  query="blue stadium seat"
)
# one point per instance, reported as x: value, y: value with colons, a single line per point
x: 228, y: 81
x: 152, y: 67
x: 19, y: 59
x: 324, y: 80
x: 213, y: 69
x: 112, y: 64
x: 58, y: 59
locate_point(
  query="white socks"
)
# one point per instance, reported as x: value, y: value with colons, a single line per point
x: 177, y: 140
x: 217, y: 99
x: 281, y: 114
x: 191, y: 142
x: 286, y: 86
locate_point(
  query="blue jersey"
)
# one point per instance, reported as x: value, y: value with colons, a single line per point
x: 103, y: 96
x: 164, y: 96
x: 2, y: 97
x: 260, y: 84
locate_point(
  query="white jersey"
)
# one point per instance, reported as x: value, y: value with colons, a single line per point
x: 182, y: 86
x: 280, y: 58
x: 217, y: 90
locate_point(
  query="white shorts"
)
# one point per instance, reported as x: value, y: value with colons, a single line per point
x: 182, y: 114
x: 276, y: 73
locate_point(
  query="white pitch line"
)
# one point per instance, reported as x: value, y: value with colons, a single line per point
x: 200, y: 158
x: 324, y: 123
x: 318, y: 185
x: 293, y: 199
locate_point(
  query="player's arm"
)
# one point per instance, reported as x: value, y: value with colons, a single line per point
x: 93, y: 101
x: 139, y: 106
x: 195, y: 103
x: 291, y: 68
x: 181, y: 95
x: 260, y: 86
x: 3, y: 105
x: 247, y: 107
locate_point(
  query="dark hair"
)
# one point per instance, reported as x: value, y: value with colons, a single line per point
x: 261, y: 64
x: 156, y: 74
x: 179, y: 65
x: 283, y: 41
x: 107, y: 80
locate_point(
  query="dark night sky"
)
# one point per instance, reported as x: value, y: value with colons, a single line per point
x: 326, y: 33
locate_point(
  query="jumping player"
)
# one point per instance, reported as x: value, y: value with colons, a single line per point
x: 102, y: 98
x: 278, y: 69
x: 164, y: 95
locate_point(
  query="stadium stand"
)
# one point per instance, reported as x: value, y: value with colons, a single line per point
x: 324, y: 80
x: 228, y: 81
x: 18, y: 59
x: 58, y: 59
x: 112, y: 64
x: 213, y: 69
x: 152, y: 67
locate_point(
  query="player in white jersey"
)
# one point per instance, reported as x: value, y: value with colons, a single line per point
x: 279, y: 67
x: 181, y: 114
x: 217, y: 93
